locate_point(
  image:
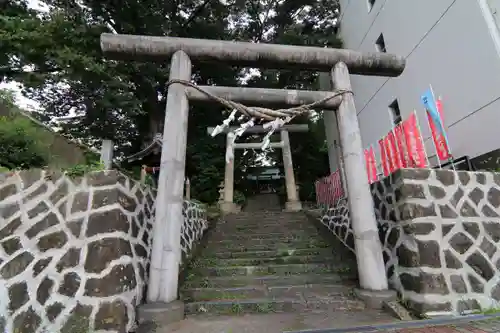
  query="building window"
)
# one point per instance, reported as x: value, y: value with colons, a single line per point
x: 380, y: 44
x: 371, y: 3
x: 395, y: 112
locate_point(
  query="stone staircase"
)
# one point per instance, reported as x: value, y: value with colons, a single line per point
x: 268, y: 262
x: 263, y: 202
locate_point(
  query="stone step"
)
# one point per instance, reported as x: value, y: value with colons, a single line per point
x: 194, y: 281
x: 327, y: 252
x: 256, y: 218
x: 292, y: 259
x: 284, y: 232
x: 267, y: 212
x: 265, y: 227
x: 264, y: 222
x: 306, y: 291
x: 286, y: 269
x: 266, y: 216
x: 301, y: 234
x: 265, y: 244
x: 250, y: 242
x: 277, y: 247
x: 265, y: 305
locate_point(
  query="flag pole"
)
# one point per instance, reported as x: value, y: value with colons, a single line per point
x: 430, y: 129
x: 374, y: 160
x: 421, y: 138
x: 409, y: 152
x: 444, y: 134
x: 402, y: 154
x: 383, y: 156
x: 391, y: 127
x: 432, y: 137
x: 405, y: 146
x: 450, y: 159
x: 367, y: 165
x: 397, y: 152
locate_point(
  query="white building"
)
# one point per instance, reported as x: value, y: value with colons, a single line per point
x: 452, y: 44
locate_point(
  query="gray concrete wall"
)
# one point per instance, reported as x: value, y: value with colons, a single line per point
x: 451, y: 44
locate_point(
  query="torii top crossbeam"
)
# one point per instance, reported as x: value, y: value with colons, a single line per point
x: 150, y: 48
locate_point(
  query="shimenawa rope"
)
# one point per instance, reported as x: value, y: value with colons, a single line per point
x: 259, y: 112
x: 276, y: 118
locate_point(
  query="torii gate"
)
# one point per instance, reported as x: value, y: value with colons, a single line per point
x: 292, y: 203
x: 166, y: 253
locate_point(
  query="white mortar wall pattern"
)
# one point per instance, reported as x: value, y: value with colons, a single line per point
x: 440, y: 231
x: 51, y: 217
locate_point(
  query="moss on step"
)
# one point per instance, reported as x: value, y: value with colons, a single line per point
x: 287, y: 269
x: 265, y: 246
x: 240, y: 308
x: 264, y: 308
x: 236, y: 308
x: 213, y: 294
x: 305, y: 291
x: 283, y: 259
x: 268, y: 280
x: 278, y: 252
x: 219, y: 237
x: 306, y: 242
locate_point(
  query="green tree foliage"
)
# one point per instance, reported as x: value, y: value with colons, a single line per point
x: 310, y: 157
x: 56, y: 55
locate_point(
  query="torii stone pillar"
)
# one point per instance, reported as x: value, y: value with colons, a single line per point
x: 166, y: 249
x: 370, y: 262
x: 292, y: 203
x: 228, y: 206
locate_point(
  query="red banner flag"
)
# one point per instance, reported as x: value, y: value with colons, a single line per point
x: 388, y: 154
x: 400, y: 139
x: 442, y: 150
x: 371, y: 165
x: 367, y: 166
x: 383, y: 157
x: 414, y: 143
x: 392, y: 152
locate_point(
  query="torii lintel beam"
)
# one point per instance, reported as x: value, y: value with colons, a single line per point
x: 261, y: 129
x: 263, y: 97
x: 260, y: 55
x: 257, y: 145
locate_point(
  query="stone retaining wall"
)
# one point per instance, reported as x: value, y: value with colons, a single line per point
x: 74, y: 253
x: 440, y: 231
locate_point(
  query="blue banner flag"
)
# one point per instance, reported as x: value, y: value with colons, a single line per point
x: 431, y: 107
